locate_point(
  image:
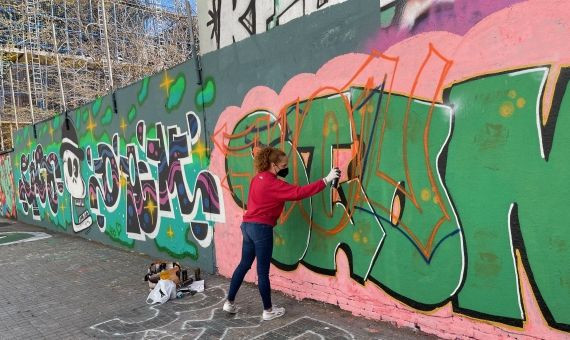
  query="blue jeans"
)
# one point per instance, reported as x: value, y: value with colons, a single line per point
x: 257, y: 242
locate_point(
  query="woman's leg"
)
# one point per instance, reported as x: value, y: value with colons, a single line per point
x: 263, y: 240
x: 247, y: 257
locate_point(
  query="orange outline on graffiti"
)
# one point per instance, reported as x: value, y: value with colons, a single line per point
x: 357, y: 150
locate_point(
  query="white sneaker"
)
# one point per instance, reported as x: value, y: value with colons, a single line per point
x: 274, y: 313
x: 230, y: 307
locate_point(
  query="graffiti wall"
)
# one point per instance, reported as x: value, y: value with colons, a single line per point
x: 129, y: 171
x: 7, y: 196
x: 449, y: 123
x: 448, y: 118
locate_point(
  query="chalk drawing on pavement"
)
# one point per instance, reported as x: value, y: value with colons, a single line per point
x: 304, y: 326
x: 185, y: 318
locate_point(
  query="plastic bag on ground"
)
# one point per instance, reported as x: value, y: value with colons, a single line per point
x: 198, y: 286
x: 162, y: 292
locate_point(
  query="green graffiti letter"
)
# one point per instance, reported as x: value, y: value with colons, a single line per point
x: 511, y: 194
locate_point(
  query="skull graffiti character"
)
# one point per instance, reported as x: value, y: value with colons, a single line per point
x: 72, y: 157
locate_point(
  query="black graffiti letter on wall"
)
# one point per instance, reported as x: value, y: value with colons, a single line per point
x: 106, y: 179
x: 170, y: 158
x: 142, y: 202
x: 43, y: 183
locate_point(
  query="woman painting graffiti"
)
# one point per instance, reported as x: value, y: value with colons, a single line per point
x: 266, y: 199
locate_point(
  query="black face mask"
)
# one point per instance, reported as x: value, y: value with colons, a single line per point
x: 283, y: 172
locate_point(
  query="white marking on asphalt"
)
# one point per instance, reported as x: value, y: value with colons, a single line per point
x: 35, y: 236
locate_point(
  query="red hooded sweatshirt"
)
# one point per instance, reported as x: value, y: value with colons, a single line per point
x: 268, y: 194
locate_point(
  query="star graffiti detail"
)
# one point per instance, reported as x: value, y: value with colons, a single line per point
x: 122, y: 181
x: 62, y: 207
x: 123, y: 125
x: 166, y: 82
x: 201, y: 151
x: 150, y: 207
x: 91, y: 125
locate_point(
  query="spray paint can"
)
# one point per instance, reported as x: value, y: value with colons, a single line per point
x: 335, y: 181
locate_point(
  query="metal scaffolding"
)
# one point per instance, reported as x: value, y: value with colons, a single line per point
x: 60, y: 54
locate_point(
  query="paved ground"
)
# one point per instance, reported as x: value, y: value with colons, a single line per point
x: 65, y: 287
